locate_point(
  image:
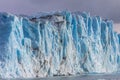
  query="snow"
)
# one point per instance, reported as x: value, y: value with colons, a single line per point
x: 68, y: 43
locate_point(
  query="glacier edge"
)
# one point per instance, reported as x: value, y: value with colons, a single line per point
x: 61, y: 43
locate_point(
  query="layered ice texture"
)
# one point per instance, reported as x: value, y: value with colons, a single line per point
x: 60, y: 43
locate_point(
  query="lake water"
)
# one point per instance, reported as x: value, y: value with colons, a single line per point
x: 80, y: 77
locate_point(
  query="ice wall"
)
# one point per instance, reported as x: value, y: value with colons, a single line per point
x: 60, y: 43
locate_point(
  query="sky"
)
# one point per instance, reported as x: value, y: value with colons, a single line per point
x: 108, y: 9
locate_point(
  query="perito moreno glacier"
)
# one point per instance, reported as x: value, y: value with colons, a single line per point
x: 58, y: 43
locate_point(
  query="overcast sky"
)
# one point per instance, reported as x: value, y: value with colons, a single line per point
x: 109, y: 9
x: 106, y: 8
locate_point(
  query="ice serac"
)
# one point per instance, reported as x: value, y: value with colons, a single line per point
x: 60, y: 43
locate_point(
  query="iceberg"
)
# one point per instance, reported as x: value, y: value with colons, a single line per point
x: 55, y: 44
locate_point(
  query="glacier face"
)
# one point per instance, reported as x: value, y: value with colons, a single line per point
x: 61, y: 43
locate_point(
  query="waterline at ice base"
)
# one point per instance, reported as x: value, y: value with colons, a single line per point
x: 55, y: 44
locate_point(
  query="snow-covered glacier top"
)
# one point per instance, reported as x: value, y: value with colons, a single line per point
x: 60, y: 43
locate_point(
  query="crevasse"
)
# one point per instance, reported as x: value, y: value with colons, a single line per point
x: 60, y: 43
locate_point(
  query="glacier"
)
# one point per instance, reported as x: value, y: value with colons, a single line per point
x: 58, y: 43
